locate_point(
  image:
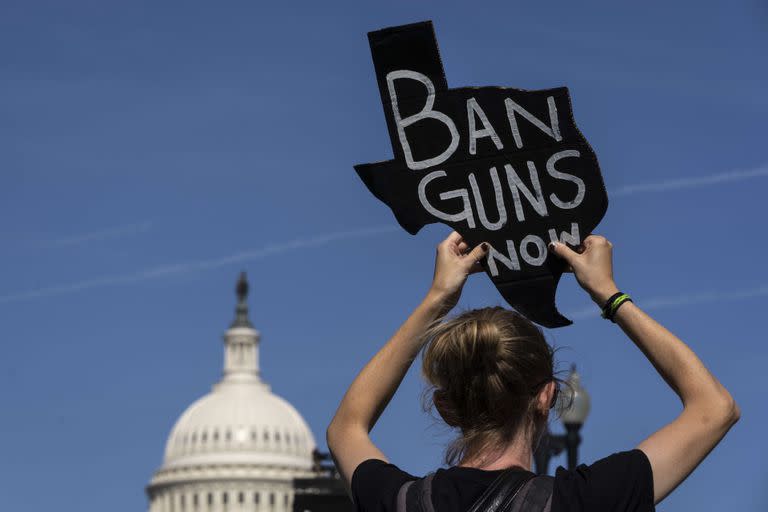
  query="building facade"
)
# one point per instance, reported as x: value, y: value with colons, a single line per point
x: 241, y: 448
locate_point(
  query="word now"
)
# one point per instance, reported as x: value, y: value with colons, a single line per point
x: 526, y: 245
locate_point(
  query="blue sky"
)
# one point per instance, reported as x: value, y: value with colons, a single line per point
x: 152, y: 151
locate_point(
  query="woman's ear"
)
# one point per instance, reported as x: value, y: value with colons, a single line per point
x: 546, y: 397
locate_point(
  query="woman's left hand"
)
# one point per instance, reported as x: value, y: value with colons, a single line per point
x: 454, y: 262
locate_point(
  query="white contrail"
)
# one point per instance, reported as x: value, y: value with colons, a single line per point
x: 181, y: 268
x: 688, y: 299
x: 659, y: 186
x: 114, y: 232
x: 269, y: 250
x: 693, y: 182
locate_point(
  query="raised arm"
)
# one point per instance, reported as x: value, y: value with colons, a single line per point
x: 708, y: 412
x: 374, y: 386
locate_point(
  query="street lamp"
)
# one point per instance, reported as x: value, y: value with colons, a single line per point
x: 573, y: 407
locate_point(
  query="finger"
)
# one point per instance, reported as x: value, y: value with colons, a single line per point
x: 476, y: 267
x: 594, y: 239
x: 463, y: 247
x: 479, y: 252
x: 560, y: 249
x: 598, y: 241
x: 453, y: 238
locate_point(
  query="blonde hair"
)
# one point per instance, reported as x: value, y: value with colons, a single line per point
x: 484, y: 369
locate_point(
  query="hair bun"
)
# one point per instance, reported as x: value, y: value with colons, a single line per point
x: 445, y: 408
x: 480, y: 366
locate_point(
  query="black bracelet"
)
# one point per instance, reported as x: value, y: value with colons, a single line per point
x: 613, y: 304
x: 620, y: 302
x: 608, y: 303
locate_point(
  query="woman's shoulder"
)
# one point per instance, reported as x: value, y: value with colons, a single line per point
x: 375, y: 483
x: 380, y: 468
x: 620, y: 481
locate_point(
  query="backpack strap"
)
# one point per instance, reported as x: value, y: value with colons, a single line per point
x: 505, y: 494
x: 535, y: 495
x: 500, y: 495
x: 401, y: 495
x: 416, y: 495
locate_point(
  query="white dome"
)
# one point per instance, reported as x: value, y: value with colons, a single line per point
x: 240, y: 439
x: 240, y: 423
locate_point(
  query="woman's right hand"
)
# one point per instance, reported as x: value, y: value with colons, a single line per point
x: 592, y: 265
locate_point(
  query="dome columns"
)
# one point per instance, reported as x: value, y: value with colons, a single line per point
x: 223, y: 496
x: 241, y: 354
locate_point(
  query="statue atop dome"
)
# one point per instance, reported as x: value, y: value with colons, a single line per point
x: 242, y: 287
x: 241, y: 312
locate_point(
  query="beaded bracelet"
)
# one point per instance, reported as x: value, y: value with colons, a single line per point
x: 613, y: 304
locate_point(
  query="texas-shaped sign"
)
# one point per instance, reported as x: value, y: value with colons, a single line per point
x: 499, y: 165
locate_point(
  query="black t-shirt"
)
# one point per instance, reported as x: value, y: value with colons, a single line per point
x: 622, y: 482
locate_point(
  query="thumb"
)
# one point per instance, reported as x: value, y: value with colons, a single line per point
x: 479, y: 252
x: 565, y: 252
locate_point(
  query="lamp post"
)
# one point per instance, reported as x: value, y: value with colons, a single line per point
x: 573, y: 406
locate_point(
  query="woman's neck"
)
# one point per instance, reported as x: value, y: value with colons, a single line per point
x: 518, y: 453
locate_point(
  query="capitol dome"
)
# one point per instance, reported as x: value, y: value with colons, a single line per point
x: 240, y: 446
x: 244, y: 423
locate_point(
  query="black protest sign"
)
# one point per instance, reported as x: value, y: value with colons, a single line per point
x: 501, y: 165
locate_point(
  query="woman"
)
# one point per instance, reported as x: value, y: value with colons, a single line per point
x: 492, y: 378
